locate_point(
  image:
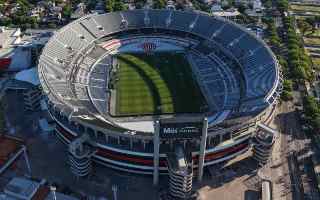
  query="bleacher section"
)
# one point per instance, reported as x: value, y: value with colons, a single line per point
x: 218, y: 83
x: 73, y: 40
x: 182, y: 21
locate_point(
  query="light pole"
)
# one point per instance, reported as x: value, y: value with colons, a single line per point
x: 114, y: 190
x: 53, y: 190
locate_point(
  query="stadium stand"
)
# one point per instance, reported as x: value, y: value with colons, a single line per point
x: 237, y: 41
x: 237, y: 74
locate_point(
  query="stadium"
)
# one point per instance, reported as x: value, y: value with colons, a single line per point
x: 140, y: 83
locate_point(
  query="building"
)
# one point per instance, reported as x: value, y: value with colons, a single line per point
x: 230, y: 13
x: 180, y: 173
x: 80, y: 156
x: 80, y: 11
x: 28, y: 83
x: 12, y: 148
x: 15, y: 55
x: 216, y: 8
x: 27, y: 189
x: 170, y: 5
x: 9, y: 36
x: 263, y: 143
x: 237, y: 74
x: 242, y: 2
x: 257, y: 5
x: 256, y: 10
x: 37, y: 12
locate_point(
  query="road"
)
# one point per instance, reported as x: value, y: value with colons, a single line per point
x: 295, y: 147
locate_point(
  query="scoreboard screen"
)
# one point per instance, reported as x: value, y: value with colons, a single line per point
x: 181, y: 130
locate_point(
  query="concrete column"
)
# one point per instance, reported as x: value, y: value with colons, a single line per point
x: 202, y: 149
x: 156, y: 147
x: 26, y: 157
x: 171, y: 144
x: 131, y: 143
x: 144, y: 145
x: 107, y: 138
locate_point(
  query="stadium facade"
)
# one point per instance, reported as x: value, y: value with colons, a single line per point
x: 237, y: 73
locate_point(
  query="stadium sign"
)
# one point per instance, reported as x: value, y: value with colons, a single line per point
x: 148, y: 46
x: 181, y: 130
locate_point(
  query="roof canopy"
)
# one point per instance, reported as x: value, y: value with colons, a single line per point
x: 29, y: 75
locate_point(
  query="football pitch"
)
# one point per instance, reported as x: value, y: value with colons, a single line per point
x: 161, y: 83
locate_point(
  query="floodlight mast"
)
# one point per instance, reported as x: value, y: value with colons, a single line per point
x: 53, y: 190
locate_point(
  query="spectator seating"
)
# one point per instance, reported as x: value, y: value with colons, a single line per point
x: 229, y: 62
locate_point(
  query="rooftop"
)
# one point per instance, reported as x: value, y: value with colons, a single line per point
x: 9, y: 146
x: 29, y: 75
x: 22, y: 188
x: 9, y: 36
x: 20, y: 57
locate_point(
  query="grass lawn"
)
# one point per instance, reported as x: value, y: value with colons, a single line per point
x: 315, y: 34
x: 306, y: 8
x: 156, y: 84
x: 316, y: 62
x: 311, y: 41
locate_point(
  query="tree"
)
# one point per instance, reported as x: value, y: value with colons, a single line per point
x: 283, y: 5
x: 311, y: 107
x: 273, y: 35
x: 66, y: 11
x: 293, y: 55
x: 268, y: 4
x: 313, y: 21
x: 286, y: 95
x: 118, y: 5
x: 109, y: 5
x: 275, y: 42
x: 284, y: 65
x: 91, y: 4
x: 316, y: 123
x: 242, y: 8
x: 140, y: 3
x: 299, y: 73
x: 52, y: 25
x: 159, y: 4
x: 6, y: 21
x: 312, y: 112
x: 304, y: 26
x: 287, y: 90
x: 287, y: 85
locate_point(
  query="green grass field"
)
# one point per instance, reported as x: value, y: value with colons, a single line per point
x: 156, y: 84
